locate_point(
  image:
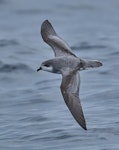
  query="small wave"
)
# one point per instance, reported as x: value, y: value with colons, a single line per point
x: 31, y: 11
x: 116, y: 53
x: 47, y: 81
x: 2, y: 1
x: 77, y: 7
x: 86, y: 45
x: 5, y: 42
x: 13, y: 67
x: 38, y: 118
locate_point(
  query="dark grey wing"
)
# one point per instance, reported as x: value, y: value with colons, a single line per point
x: 70, y: 91
x: 59, y: 46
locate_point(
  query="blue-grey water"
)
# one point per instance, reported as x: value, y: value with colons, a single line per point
x: 33, y: 115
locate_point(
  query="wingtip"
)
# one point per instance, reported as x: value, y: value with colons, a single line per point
x: 85, y: 128
x: 47, y: 29
x: 45, y: 21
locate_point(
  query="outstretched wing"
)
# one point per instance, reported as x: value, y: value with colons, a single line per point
x: 70, y: 91
x: 59, y: 46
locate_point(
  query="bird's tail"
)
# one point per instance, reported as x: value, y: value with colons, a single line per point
x: 90, y: 64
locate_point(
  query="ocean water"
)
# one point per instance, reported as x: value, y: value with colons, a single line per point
x: 33, y: 115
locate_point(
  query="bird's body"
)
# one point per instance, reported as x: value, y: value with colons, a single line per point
x: 67, y: 64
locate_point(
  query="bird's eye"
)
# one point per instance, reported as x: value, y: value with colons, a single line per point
x: 47, y: 65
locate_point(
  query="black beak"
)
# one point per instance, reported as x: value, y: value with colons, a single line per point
x: 39, y: 69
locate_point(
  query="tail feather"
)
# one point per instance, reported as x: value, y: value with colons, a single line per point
x: 90, y: 64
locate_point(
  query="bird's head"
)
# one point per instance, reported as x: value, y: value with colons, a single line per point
x: 46, y: 66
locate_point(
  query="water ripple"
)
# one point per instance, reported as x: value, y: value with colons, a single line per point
x: 86, y: 45
x: 5, y: 42
x: 13, y: 67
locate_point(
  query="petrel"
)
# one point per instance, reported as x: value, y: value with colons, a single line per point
x: 68, y: 65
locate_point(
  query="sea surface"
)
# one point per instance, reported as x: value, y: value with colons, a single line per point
x: 33, y: 115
